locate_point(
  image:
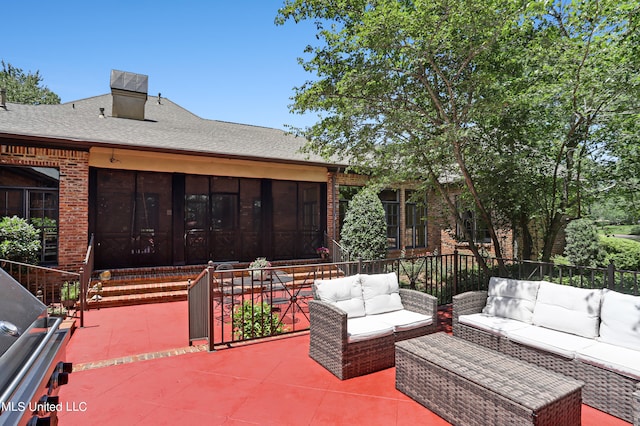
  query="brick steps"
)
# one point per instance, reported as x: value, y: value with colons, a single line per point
x: 138, y: 299
x: 138, y: 286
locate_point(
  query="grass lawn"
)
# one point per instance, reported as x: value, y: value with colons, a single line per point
x: 619, y: 230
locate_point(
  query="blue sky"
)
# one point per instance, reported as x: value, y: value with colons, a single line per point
x: 221, y: 60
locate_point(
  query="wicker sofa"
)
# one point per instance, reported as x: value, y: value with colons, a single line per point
x: 356, y: 320
x: 592, y: 335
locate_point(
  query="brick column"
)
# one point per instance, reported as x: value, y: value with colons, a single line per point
x: 332, y: 205
x: 73, y: 212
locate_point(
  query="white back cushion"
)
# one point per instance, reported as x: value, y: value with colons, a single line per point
x: 569, y: 309
x: 620, y: 318
x: 345, y: 293
x: 509, y: 298
x: 381, y: 293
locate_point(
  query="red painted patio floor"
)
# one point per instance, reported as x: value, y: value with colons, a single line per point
x: 133, y: 365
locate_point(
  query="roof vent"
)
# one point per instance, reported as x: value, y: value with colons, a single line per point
x: 129, y: 92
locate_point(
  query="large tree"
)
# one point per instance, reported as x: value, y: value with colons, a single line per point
x: 504, y: 97
x: 584, y: 80
x: 25, y: 88
x: 400, y: 84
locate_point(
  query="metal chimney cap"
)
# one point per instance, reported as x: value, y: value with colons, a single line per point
x: 129, y: 81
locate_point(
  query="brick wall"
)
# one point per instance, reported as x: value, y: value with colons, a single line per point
x: 440, y: 222
x: 73, y: 196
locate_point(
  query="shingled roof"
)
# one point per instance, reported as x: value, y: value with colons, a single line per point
x: 167, y: 128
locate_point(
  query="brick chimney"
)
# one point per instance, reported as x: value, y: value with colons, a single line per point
x: 129, y: 92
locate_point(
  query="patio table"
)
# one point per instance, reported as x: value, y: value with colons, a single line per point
x: 467, y: 384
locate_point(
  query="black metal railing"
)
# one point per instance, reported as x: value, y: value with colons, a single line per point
x: 232, y: 305
x: 45, y: 283
x: 623, y: 281
x: 228, y: 306
x: 62, y: 291
x: 337, y: 252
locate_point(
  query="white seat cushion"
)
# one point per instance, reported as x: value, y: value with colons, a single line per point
x: 345, y: 293
x: 570, y: 309
x: 620, y: 320
x: 622, y: 360
x: 509, y: 298
x: 495, y: 325
x: 365, y: 328
x: 557, y: 342
x: 381, y: 293
x: 404, y: 320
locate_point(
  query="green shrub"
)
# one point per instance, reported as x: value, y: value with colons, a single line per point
x: 19, y: 240
x: 70, y: 291
x: 364, y: 232
x: 255, y: 320
x: 624, y: 253
x: 583, y: 245
x: 635, y: 230
x: 560, y: 260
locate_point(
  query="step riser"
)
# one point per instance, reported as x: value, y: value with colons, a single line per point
x: 105, y: 303
x: 142, y: 289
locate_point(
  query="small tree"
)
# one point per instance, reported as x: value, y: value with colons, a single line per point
x: 364, y: 232
x: 25, y: 88
x: 583, y: 244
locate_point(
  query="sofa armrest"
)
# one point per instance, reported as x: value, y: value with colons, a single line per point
x: 417, y: 301
x: 635, y: 405
x: 467, y: 303
x: 327, y: 323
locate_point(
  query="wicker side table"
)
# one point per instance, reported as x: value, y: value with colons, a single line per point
x: 467, y: 384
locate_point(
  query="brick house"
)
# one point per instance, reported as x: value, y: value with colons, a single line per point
x: 156, y: 185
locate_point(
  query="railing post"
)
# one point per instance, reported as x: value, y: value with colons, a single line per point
x: 83, y: 294
x: 359, y: 265
x: 210, y: 307
x: 456, y: 265
x: 611, y: 275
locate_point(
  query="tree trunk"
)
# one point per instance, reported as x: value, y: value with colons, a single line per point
x: 556, y: 225
x: 527, y: 239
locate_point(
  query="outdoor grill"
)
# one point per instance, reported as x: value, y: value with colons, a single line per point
x: 32, y: 351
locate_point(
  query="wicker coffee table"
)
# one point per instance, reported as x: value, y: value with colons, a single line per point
x: 467, y: 384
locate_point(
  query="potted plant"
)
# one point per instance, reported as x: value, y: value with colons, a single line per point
x: 69, y: 293
x: 257, y: 267
x: 323, y: 252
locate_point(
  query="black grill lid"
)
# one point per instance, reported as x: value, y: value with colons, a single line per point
x: 19, y: 310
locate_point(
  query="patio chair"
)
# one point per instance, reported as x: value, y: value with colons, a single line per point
x: 350, y: 336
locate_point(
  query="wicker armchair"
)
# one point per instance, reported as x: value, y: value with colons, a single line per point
x: 330, y: 345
